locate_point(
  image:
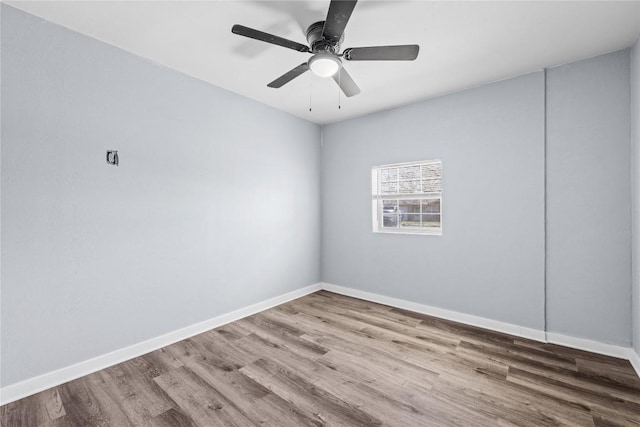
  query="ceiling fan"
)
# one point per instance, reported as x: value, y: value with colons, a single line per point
x: 324, y: 39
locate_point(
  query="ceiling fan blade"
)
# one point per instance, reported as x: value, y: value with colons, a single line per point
x: 337, y: 18
x: 289, y: 75
x: 269, y: 38
x: 346, y: 83
x: 407, y: 52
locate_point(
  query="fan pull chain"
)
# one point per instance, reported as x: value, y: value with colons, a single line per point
x: 339, y: 87
x: 310, y: 78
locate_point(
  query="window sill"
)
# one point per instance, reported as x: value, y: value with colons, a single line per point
x: 419, y: 233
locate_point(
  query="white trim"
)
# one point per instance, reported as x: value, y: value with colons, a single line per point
x: 419, y: 162
x: 442, y: 313
x: 419, y: 231
x: 634, y: 359
x: 589, y: 345
x: 34, y: 385
x: 494, y: 325
x: 51, y: 379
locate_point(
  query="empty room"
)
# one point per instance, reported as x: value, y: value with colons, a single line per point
x: 320, y: 213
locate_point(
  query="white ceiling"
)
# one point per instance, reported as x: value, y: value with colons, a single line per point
x: 462, y: 44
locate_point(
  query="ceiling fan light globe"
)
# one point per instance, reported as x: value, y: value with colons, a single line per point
x: 324, y: 65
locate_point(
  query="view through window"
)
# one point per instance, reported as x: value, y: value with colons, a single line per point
x: 407, y: 197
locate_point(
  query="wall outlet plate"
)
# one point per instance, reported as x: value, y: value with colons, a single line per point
x: 112, y: 157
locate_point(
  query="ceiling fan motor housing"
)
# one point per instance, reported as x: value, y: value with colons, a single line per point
x: 318, y: 43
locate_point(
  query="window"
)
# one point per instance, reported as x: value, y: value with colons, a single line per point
x: 407, y: 197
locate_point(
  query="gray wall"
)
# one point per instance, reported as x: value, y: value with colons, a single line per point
x: 201, y: 217
x: 489, y: 260
x: 588, y: 203
x: 635, y: 182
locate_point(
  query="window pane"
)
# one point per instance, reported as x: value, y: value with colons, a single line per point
x: 388, y: 188
x: 390, y: 213
x: 389, y: 174
x: 409, y: 213
x: 389, y: 220
x: 390, y: 206
x: 409, y: 187
x: 409, y: 172
x: 431, y: 206
x: 432, y: 170
x: 431, y: 186
x: 409, y: 206
x: 431, y: 220
x: 410, y: 220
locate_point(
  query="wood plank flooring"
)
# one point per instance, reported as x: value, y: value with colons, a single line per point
x: 326, y: 359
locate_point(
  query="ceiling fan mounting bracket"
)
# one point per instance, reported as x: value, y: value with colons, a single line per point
x: 317, y: 41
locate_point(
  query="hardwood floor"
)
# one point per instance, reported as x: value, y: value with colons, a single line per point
x: 326, y: 359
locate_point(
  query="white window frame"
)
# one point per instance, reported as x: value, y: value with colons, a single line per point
x: 377, y: 202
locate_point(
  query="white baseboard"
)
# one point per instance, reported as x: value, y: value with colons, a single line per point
x: 442, y: 313
x: 589, y: 345
x: 634, y: 358
x: 34, y: 385
x: 494, y: 325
